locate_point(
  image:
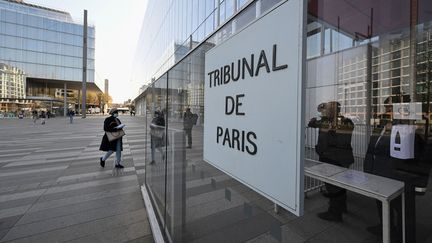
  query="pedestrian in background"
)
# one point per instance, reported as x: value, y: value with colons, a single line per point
x: 111, y: 124
x: 71, y: 115
x: 43, y: 116
x: 189, y: 120
x: 35, y: 116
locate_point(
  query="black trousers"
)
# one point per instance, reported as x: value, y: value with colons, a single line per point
x: 337, y: 196
x: 337, y: 199
x: 188, y: 134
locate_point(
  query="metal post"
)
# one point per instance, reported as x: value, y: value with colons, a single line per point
x: 153, y: 96
x: 386, y: 221
x: 190, y: 42
x: 413, y: 49
x: 331, y: 40
x: 84, y: 77
x: 79, y: 102
x: 234, y: 21
x: 322, y: 47
x: 258, y: 8
x: 65, y: 99
x: 403, y: 217
x: 369, y: 105
x: 218, y: 2
x: 369, y: 81
x: 428, y: 84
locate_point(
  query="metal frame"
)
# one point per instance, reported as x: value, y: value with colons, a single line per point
x: 154, y: 225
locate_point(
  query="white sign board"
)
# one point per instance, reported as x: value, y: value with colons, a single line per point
x: 253, y: 106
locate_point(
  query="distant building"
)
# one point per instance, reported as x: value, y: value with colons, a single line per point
x: 106, y: 86
x: 12, y: 82
x: 12, y: 87
x: 46, y: 45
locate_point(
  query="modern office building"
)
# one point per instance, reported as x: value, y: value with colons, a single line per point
x: 313, y: 120
x: 46, y: 45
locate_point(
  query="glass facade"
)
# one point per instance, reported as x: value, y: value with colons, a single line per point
x: 367, y: 109
x: 45, y: 43
x: 176, y: 27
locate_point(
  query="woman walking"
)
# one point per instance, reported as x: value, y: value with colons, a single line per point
x: 112, y: 124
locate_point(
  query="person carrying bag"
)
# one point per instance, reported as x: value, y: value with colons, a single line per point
x: 112, y: 139
x: 112, y: 136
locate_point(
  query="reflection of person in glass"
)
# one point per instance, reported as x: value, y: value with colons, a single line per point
x: 189, y: 119
x: 397, y: 151
x: 334, y: 147
x: 157, y: 135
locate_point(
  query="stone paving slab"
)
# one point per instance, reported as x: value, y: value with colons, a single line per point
x: 52, y: 188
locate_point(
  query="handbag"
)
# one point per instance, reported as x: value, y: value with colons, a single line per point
x: 115, y: 135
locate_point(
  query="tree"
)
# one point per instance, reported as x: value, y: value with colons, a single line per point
x: 104, y: 99
x: 92, y: 98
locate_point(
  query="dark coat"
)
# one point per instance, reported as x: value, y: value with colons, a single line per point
x: 158, y: 126
x: 109, y: 124
x: 334, y: 144
x: 414, y: 172
x: 189, y: 119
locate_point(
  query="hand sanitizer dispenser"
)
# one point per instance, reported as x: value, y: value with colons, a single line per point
x: 402, y: 141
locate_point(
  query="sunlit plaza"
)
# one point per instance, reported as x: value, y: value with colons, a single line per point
x: 52, y: 188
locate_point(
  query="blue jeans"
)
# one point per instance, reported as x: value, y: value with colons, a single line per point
x: 118, y: 153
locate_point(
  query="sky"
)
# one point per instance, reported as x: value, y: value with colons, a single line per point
x: 118, y: 26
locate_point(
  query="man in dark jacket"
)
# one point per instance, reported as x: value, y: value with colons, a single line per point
x: 334, y: 147
x: 397, y: 150
x: 110, y: 125
x: 189, y: 120
x: 71, y: 115
x: 43, y: 116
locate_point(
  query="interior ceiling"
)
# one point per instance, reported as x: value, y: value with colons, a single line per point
x: 354, y: 16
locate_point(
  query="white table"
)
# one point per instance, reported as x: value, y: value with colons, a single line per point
x: 378, y: 187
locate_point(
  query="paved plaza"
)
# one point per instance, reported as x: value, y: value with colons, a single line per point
x: 52, y: 188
